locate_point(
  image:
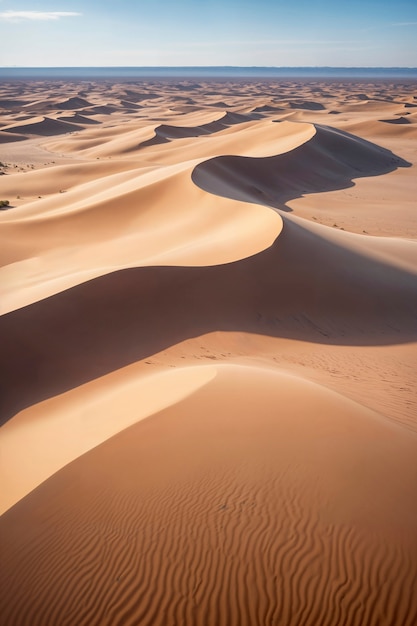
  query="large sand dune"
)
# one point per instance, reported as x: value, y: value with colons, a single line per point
x: 208, y: 362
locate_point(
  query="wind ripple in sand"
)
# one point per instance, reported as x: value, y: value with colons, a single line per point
x: 236, y: 564
x: 210, y: 518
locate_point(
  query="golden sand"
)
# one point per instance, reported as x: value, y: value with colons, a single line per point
x: 208, y: 361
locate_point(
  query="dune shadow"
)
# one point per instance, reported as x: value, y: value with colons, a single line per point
x: 48, y: 127
x: 307, y: 105
x: 71, y: 103
x: 396, y: 120
x: 166, y: 133
x: 303, y: 287
x: 329, y: 161
x: 7, y: 137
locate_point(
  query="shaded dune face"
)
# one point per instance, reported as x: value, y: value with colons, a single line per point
x: 73, y: 103
x: 6, y: 137
x: 165, y: 133
x: 328, y: 161
x: 77, y: 118
x: 46, y: 127
x: 117, y: 319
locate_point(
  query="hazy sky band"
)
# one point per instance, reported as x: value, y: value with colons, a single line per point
x: 205, y: 73
x: 358, y: 33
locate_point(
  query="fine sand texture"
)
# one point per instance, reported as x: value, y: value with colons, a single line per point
x: 208, y: 364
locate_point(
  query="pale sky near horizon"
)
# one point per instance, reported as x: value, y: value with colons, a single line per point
x: 354, y: 33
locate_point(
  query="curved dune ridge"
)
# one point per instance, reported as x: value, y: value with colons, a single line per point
x: 380, y: 129
x: 124, y: 232
x: 85, y: 420
x: 329, y: 160
x: 6, y: 137
x: 397, y: 120
x: 73, y: 103
x: 45, y: 127
x: 38, y: 267
x: 77, y: 118
x: 228, y: 134
x: 208, y: 383
x: 165, y: 133
x: 275, y: 292
x: 203, y: 515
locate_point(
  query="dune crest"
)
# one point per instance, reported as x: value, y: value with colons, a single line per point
x: 330, y: 160
x: 93, y: 416
x: 44, y: 127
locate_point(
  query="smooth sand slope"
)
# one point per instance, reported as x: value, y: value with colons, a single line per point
x: 208, y: 363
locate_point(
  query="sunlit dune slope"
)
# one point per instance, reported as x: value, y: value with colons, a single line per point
x: 202, y: 513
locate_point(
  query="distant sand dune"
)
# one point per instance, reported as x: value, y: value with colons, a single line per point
x: 76, y: 118
x: 397, y: 120
x: 130, y: 105
x: 73, y: 103
x: 128, y: 140
x: 135, y: 96
x: 267, y: 108
x: 11, y: 104
x: 46, y: 127
x: 381, y: 129
x: 103, y: 109
x: 166, y: 133
x: 310, y: 106
x: 7, y: 136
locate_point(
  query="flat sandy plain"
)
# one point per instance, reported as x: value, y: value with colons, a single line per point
x: 208, y: 353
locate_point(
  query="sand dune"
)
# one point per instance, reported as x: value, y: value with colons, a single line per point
x: 330, y: 160
x: 267, y: 108
x: 82, y: 426
x: 208, y: 331
x: 45, y: 127
x: 11, y: 104
x: 165, y: 133
x: 381, y: 130
x: 239, y: 178
x: 274, y: 293
x: 311, y: 106
x: 73, y: 103
x: 7, y: 136
x: 76, y: 118
x: 215, y: 491
x: 397, y: 120
x: 193, y: 124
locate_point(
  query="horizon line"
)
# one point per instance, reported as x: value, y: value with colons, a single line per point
x: 338, y: 67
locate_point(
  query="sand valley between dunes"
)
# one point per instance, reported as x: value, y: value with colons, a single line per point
x: 208, y: 353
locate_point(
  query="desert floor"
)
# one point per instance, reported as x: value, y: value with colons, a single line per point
x: 208, y: 353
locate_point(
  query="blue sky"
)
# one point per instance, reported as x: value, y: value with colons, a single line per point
x: 358, y: 33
